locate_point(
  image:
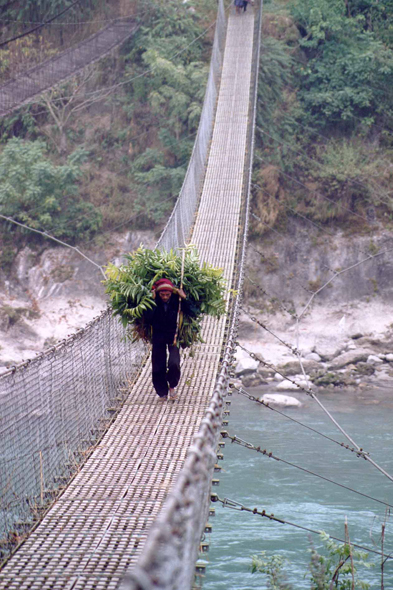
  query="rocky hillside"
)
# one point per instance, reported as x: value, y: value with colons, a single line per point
x: 341, y: 320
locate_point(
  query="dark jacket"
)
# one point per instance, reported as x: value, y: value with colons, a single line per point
x: 163, y: 318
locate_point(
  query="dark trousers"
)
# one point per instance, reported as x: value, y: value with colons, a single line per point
x: 164, y: 374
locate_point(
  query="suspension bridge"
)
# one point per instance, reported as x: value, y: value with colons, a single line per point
x: 136, y: 508
x: 24, y: 88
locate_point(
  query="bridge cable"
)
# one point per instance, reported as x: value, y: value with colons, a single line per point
x: 46, y: 235
x: 145, y: 72
x: 270, y: 455
x: 40, y: 25
x: 265, y: 404
x: 273, y: 300
x: 326, y: 411
x: 79, y: 22
x: 322, y: 229
x: 228, y: 503
x: 117, y: 172
x: 50, y: 237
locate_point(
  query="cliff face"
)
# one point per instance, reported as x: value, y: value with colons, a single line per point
x: 302, y: 273
x: 51, y: 293
x: 293, y: 266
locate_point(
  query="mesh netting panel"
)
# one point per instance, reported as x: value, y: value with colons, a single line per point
x: 26, y: 79
x: 53, y: 408
x: 178, y: 228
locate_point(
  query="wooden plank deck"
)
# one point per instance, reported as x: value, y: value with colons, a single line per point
x: 98, y: 527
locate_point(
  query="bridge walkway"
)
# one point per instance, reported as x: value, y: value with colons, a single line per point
x: 97, y: 528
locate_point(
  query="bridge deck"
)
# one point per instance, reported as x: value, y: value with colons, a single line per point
x: 97, y: 528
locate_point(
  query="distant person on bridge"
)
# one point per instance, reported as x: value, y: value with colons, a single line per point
x: 164, y: 319
x: 238, y: 6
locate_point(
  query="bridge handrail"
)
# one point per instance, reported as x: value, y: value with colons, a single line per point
x: 177, y: 229
x: 169, y: 555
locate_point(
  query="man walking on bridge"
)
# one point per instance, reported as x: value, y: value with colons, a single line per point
x: 164, y: 319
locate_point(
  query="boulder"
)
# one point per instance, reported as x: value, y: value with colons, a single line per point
x: 246, y: 365
x: 334, y: 380
x: 278, y: 377
x: 313, y: 356
x: 287, y: 385
x: 350, y: 357
x: 282, y: 401
x: 310, y: 366
x: 357, y: 335
x: 374, y: 360
x: 252, y: 380
x: 265, y: 372
x: 389, y: 357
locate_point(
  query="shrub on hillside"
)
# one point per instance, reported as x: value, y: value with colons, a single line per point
x: 42, y: 195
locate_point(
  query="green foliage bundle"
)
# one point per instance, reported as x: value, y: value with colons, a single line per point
x: 36, y: 192
x: 130, y: 290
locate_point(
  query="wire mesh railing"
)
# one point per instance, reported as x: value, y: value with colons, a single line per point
x: 180, y: 222
x: 55, y: 407
x: 31, y: 63
x: 171, y: 550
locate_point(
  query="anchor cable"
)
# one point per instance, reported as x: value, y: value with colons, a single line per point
x: 270, y: 455
x: 228, y: 503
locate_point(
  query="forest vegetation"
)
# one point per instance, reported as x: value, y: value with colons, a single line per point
x: 325, y: 114
x: 79, y: 165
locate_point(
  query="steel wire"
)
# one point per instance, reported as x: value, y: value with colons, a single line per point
x: 228, y: 503
x: 323, y: 408
x: 235, y: 439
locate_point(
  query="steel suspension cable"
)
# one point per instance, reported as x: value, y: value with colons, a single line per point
x: 247, y: 445
x: 326, y: 411
x: 228, y: 503
x: 40, y: 25
x: 145, y: 72
x: 244, y: 393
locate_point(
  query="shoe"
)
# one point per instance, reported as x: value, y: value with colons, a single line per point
x: 172, y: 393
x: 162, y: 398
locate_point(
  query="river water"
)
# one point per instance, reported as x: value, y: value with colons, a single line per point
x: 257, y: 481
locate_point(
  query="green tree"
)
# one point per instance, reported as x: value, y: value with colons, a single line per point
x: 36, y: 192
x: 272, y: 567
x: 348, y: 70
x: 340, y: 567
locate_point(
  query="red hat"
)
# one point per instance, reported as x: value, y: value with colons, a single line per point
x: 163, y: 285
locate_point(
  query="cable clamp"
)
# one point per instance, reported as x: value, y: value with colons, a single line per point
x: 232, y: 504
